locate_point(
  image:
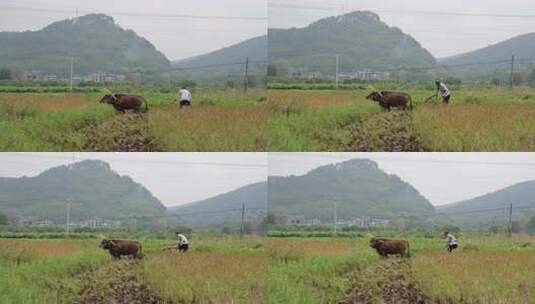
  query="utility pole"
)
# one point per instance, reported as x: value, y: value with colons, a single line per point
x: 246, y: 80
x: 68, y: 203
x: 72, y: 72
x: 512, y: 70
x: 510, y: 225
x: 335, y: 217
x: 72, y: 59
x: 242, y: 227
x: 337, y: 69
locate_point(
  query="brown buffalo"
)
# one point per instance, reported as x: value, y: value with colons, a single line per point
x: 123, y: 102
x: 387, y: 247
x: 389, y: 99
x: 118, y: 248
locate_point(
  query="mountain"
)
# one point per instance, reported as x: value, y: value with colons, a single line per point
x: 522, y: 47
x: 96, y: 42
x: 358, y: 187
x: 361, y: 39
x: 95, y: 189
x: 255, y: 49
x: 203, y: 214
x: 520, y: 195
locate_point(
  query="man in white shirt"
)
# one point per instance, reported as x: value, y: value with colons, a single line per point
x: 444, y: 91
x: 185, y: 97
x: 182, y: 242
x: 451, y: 241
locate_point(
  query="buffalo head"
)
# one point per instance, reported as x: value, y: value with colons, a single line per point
x: 108, y: 98
x: 106, y: 244
x: 374, y: 242
x: 375, y: 96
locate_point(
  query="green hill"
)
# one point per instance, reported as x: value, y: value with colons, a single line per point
x: 358, y: 187
x: 95, y: 189
x: 468, y: 213
x: 224, y: 210
x: 255, y: 49
x: 361, y: 38
x: 522, y: 47
x: 96, y: 41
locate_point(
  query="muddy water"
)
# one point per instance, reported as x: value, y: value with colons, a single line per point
x: 388, y: 131
x: 119, y: 282
x: 389, y: 281
x: 123, y: 133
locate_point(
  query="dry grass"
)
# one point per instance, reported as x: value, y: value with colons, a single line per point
x: 309, y: 99
x: 312, y: 247
x: 44, y: 102
x: 209, y: 128
x: 481, y: 127
x: 208, y: 277
x: 11, y: 250
x: 483, y: 277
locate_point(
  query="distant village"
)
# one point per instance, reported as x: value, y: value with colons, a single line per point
x: 363, y: 222
x: 30, y: 222
x: 40, y: 76
x: 365, y: 74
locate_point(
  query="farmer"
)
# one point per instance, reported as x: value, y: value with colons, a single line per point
x: 451, y: 241
x: 183, y: 244
x: 185, y: 97
x: 444, y: 91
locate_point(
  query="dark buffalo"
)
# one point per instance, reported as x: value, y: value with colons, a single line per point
x: 387, y: 247
x: 118, y: 248
x: 389, y: 99
x: 123, y: 102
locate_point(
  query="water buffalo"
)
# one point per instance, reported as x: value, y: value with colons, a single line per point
x: 387, y: 247
x: 389, y: 99
x: 118, y: 248
x: 123, y: 102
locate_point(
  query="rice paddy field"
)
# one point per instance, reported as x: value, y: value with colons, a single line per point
x: 486, y: 268
x: 478, y: 118
x: 220, y: 119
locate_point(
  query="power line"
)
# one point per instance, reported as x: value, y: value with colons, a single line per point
x: 415, y: 160
x: 135, y: 14
x: 68, y: 156
x: 394, y: 11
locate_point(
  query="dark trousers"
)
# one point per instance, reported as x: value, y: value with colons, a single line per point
x: 446, y: 99
x: 183, y: 248
x: 452, y: 247
x: 185, y: 103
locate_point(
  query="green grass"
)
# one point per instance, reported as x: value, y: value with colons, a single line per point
x: 314, y: 270
x: 47, y: 279
x: 320, y: 121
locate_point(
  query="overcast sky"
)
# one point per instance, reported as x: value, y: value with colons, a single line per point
x: 443, y: 35
x: 440, y: 177
x: 174, y: 178
x: 175, y: 36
